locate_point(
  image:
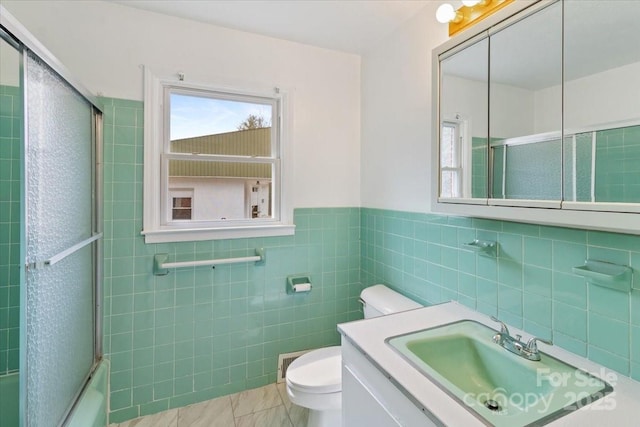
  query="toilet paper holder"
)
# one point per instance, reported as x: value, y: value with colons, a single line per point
x: 298, y: 283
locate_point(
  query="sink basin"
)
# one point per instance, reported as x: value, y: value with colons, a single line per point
x: 497, y: 386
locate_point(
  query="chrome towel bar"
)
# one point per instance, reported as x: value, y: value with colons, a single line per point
x: 161, y: 267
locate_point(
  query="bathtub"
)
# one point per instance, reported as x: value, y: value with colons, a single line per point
x: 91, y: 410
x: 9, y: 390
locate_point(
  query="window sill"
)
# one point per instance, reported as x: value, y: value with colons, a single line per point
x: 198, y: 234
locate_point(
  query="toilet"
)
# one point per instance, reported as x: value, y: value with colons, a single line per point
x: 314, y: 380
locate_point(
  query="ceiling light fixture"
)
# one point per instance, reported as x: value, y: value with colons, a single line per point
x: 469, y: 14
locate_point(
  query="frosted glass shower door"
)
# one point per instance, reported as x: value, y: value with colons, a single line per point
x: 59, y: 295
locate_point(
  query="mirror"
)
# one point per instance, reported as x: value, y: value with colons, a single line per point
x: 543, y: 110
x: 463, y: 122
x: 524, y: 110
x: 602, y: 102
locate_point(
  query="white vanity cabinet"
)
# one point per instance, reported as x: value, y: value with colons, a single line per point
x: 380, y: 388
x: 369, y: 397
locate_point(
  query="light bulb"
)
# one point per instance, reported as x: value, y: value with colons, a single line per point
x: 445, y: 13
x: 470, y: 3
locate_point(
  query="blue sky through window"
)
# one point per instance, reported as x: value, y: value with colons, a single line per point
x: 193, y: 116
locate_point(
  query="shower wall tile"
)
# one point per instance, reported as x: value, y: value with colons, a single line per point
x: 530, y: 283
x: 618, y: 152
x: 10, y: 143
x: 199, y: 333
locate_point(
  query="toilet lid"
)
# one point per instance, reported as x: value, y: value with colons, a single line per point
x: 319, y: 371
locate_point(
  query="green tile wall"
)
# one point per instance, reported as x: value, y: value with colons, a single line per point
x: 199, y: 332
x: 617, y: 168
x: 529, y: 284
x: 618, y: 165
x: 479, y: 167
x: 10, y: 130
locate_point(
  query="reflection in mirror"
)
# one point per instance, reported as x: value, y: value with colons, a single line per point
x: 602, y: 101
x: 463, y: 122
x: 219, y: 165
x: 524, y: 114
x: 528, y: 169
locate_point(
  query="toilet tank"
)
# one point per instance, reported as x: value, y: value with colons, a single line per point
x: 378, y: 300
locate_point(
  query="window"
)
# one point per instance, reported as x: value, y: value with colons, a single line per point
x: 227, y: 147
x: 181, y: 204
x: 455, y: 161
x: 450, y: 161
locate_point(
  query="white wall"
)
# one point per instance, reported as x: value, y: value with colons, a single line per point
x: 466, y: 97
x: 213, y: 198
x: 396, y: 116
x: 512, y: 108
x: 104, y: 44
x: 9, y: 65
x: 607, y: 97
x: 512, y: 111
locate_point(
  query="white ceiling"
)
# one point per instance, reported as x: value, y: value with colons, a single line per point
x: 352, y: 26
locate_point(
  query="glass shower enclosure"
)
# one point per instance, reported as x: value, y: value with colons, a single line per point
x: 50, y: 198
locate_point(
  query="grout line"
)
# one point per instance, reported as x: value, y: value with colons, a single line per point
x: 233, y: 412
x: 284, y: 405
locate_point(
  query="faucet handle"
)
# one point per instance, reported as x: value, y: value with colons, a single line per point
x: 532, y: 347
x: 503, y: 326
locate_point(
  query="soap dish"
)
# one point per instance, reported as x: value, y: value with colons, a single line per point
x: 606, y: 274
x: 482, y: 247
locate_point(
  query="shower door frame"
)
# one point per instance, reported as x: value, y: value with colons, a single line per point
x: 14, y: 33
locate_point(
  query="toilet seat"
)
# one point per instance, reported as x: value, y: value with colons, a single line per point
x: 318, y: 372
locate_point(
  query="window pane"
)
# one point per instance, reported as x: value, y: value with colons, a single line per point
x: 182, y: 202
x: 227, y: 170
x: 448, y: 146
x: 208, y: 125
x: 181, y: 214
x: 223, y: 190
x: 450, y: 185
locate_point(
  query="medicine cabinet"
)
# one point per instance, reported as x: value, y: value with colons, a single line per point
x: 537, y: 116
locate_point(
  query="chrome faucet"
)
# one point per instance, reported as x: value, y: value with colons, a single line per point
x: 514, y: 344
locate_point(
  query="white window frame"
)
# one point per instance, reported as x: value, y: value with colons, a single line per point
x: 463, y: 150
x: 156, y: 229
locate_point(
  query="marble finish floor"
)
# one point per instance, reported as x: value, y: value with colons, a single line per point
x: 267, y: 406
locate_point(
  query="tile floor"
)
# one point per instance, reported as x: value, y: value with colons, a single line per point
x: 267, y: 406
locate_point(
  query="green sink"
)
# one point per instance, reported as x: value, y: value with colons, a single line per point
x: 497, y: 386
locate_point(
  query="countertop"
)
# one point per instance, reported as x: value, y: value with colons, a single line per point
x: 619, y: 408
